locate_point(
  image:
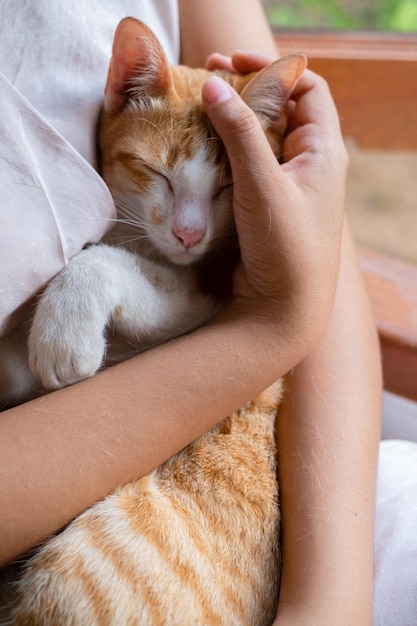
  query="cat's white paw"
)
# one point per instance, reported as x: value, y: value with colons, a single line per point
x: 66, y: 341
x: 67, y: 338
x: 60, y: 355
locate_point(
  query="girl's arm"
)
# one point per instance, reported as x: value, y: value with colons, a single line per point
x: 222, y: 26
x: 66, y: 450
x: 329, y: 425
x: 328, y: 435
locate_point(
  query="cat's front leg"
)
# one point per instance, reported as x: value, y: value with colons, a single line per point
x: 67, y: 338
x: 103, y: 286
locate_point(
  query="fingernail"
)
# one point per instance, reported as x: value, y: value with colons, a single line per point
x: 216, y: 90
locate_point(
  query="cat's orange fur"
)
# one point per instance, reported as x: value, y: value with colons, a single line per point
x: 196, y: 542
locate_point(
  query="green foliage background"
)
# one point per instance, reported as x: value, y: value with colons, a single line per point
x: 393, y: 15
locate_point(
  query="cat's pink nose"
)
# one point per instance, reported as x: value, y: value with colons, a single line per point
x: 189, y: 238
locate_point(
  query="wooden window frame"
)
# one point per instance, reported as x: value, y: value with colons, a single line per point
x: 373, y: 79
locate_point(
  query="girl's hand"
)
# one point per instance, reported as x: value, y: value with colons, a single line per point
x: 289, y: 216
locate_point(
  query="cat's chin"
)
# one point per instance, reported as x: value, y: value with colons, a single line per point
x: 177, y: 255
x: 184, y: 258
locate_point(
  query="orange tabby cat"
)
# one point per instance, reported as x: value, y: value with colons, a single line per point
x: 196, y: 542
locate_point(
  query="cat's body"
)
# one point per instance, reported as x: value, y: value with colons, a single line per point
x: 196, y: 541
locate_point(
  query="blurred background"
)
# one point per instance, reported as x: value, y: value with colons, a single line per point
x: 382, y: 185
x: 392, y: 15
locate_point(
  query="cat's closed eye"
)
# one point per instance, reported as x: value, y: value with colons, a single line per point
x: 160, y: 177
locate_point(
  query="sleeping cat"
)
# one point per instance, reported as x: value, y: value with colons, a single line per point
x: 197, y: 540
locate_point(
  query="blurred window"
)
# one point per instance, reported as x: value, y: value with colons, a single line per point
x: 382, y: 15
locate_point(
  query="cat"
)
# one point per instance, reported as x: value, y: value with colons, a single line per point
x: 197, y: 540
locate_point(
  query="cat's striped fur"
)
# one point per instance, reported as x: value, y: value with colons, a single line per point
x: 196, y: 542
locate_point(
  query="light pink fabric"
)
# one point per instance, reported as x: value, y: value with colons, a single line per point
x: 54, y: 58
x: 53, y: 203
x: 396, y: 535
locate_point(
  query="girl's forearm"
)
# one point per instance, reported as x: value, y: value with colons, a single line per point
x: 328, y: 441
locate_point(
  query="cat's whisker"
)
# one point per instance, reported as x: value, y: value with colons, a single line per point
x: 127, y: 242
x: 160, y: 131
x: 128, y: 222
x: 227, y: 231
x: 136, y: 233
x: 126, y: 207
x: 172, y: 124
x: 216, y: 139
x: 282, y: 155
x: 127, y: 213
x: 110, y: 219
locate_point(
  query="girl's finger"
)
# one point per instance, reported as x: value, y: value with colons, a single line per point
x: 240, y: 131
x: 241, y: 62
x: 245, y: 62
x: 217, y: 61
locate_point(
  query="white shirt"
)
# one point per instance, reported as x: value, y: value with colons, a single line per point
x: 54, y: 57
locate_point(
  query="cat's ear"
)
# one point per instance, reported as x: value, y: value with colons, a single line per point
x: 269, y: 91
x: 138, y: 65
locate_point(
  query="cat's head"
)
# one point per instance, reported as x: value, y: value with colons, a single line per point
x: 163, y: 161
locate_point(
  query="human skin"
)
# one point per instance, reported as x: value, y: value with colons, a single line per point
x: 60, y: 453
x: 328, y: 435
